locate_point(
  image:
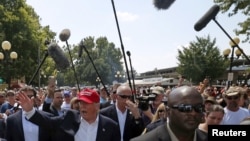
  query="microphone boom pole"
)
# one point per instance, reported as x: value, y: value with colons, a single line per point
x: 73, y: 66
x: 91, y: 60
x: 231, y: 39
x: 64, y: 36
x: 131, y: 69
x: 40, y: 65
x: 122, y: 47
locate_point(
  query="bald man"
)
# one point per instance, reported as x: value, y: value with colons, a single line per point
x: 185, y: 113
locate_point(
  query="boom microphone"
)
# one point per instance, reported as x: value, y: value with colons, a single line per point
x: 64, y: 35
x: 211, y: 13
x: 128, y: 53
x: 58, y: 56
x: 163, y: 4
x: 81, y: 46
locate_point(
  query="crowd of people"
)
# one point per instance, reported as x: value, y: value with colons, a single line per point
x: 118, y: 113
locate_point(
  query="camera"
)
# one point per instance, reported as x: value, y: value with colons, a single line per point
x: 146, y: 98
x: 144, y: 101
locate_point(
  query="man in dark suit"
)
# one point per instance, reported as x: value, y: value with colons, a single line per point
x: 55, y: 107
x: 2, y: 128
x: 85, y: 124
x: 126, y: 113
x: 20, y: 129
x: 185, y: 113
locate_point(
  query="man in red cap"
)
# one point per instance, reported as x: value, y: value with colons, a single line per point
x: 85, y: 124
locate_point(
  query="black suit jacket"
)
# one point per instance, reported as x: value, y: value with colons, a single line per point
x: 105, y: 104
x: 161, y: 134
x: 132, y: 127
x: 14, y: 128
x: 2, y: 128
x: 48, y: 107
x: 65, y: 127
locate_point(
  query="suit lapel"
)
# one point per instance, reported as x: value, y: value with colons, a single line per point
x: 101, y: 129
x: 114, y: 114
x: 128, y: 120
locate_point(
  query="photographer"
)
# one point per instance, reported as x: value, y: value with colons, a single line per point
x: 150, y: 104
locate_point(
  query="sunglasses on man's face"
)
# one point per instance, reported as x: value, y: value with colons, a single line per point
x: 232, y: 97
x: 126, y: 96
x: 189, y: 108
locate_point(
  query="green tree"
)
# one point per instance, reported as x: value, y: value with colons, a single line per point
x: 105, y: 56
x: 234, y: 7
x: 20, y: 26
x: 201, y: 59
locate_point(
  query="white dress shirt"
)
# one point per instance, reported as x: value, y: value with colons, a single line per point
x: 30, y: 130
x: 87, y: 131
x: 121, y: 120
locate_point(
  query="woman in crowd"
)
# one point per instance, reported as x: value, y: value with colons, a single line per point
x: 74, y: 104
x: 213, y: 116
x: 159, y: 117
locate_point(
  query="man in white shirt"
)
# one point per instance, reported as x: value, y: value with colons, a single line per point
x: 23, y: 129
x: 85, y: 124
x: 66, y: 100
x: 234, y: 114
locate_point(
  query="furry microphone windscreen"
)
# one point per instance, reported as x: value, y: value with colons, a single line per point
x: 58, y: 56
x: 163, y: 4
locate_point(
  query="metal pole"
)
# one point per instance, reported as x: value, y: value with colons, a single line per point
x: 39, y: 73
x: 122, y: 47
x: 236, y: 45
x: 230, y: 67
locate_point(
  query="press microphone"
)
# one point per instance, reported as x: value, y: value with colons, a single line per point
x: 211, y: 13
x: 128, y: 53
x: 64, y: 35
x: 163, y: 4
x: 58, y: 56
x: 81, y: 46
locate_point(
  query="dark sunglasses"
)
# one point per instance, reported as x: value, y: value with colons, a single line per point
x: 189, y: 108
x: 161, y: 111
x: 125, y: 96
x: 232, y: 97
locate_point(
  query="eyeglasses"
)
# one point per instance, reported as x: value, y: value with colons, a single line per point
x: 189, y: 108
x: 161, y: 111
x: 126, y: 96
x: 232, y: 97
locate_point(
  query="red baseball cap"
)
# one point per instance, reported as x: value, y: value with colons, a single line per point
x: 89, y: 96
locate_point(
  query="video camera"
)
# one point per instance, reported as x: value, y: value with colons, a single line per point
x: 144, y: 101
x: 146, y: 98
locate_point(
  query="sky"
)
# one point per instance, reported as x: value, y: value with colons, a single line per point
x: 152, y: 36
